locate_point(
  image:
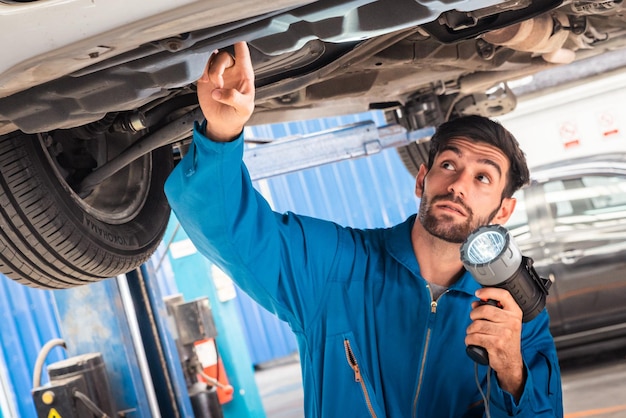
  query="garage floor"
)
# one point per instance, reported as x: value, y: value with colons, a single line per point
x: 592, y: 387
x: 280, y: 387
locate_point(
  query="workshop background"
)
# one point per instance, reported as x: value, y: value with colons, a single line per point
x: 128, y: 321
x: 367, y: 192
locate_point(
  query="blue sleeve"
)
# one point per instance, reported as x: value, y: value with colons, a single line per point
x: 542, y: 395
x: 269, y: 255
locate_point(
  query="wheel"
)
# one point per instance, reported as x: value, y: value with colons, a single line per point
x: 420, y: 112
x: 413, y: 155
x: 50, y: 237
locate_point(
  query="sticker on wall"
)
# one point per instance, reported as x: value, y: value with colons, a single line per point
x: 569, y: 135
x: 608, y: 125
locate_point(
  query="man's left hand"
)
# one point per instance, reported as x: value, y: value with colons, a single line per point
x: 499, y: 331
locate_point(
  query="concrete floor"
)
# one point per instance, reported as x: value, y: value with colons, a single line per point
x: 592, y: 387
x: 595, y: 386
x: 280, y: 387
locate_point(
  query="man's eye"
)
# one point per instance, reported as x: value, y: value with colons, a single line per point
x: 447, y: 165
x: 483, y: 179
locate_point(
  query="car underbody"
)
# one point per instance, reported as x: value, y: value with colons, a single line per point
x: 99, y: 118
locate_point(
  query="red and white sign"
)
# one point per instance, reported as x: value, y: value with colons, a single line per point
x: 608, y: 125
x: 569, y: 134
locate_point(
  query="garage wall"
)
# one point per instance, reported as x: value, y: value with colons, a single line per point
x: 589, y: 118
x: 28, y: 321
x: 376, y: 191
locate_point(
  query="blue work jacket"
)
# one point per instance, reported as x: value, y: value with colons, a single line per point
x: 372, y: 341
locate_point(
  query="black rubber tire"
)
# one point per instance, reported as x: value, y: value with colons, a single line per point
x: 414, y: 155
x: 49, y: 241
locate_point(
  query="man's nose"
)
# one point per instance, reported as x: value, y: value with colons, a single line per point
x: 460, y: 184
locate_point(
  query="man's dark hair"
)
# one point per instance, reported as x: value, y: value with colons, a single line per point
x: 481, y: 129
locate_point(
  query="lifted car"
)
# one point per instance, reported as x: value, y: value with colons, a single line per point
x: 97, y: 98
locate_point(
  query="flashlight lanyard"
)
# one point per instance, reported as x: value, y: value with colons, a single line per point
x: 484, y: 395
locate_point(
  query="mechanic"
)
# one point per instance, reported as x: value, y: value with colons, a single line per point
x: 382, y: 316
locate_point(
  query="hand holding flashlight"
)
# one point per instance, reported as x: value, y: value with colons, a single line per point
x: 490, y: 254
x: 496, y: 325
x: 477, y: 352
x: 497, y: 329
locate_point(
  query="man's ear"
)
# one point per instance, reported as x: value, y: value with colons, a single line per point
x: 419, y: 181
x: 506, y: 210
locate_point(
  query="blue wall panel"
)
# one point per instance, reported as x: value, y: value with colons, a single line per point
x: 29, y: 320
x: 267, y: 337
x: 371, y: 192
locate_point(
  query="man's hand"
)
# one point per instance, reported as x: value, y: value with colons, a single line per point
x: 226, y: 93
x: 499, y: 331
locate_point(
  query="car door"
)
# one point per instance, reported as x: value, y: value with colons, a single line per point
x: 526, y: 225
x: 586, y: 245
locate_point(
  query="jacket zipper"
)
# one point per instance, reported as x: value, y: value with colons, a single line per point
x: 433, y: 311
x: 357, y: 375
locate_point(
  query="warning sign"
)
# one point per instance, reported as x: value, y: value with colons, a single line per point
x: 569, y: 134
x: 54, y: 414
x: 608, y: 125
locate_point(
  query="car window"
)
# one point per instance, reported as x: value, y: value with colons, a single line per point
x: 594, y: 200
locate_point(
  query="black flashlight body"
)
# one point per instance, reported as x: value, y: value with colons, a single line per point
x: 520, y: 279
x: 528, y: 289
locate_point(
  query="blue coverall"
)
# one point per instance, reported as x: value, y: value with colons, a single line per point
x: 372, y: 341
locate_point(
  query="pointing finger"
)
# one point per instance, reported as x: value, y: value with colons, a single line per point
x: 242, y: 56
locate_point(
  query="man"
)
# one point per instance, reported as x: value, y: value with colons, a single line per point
x: 382, y: 316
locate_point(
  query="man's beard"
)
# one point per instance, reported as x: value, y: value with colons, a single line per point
x: 444, y: 228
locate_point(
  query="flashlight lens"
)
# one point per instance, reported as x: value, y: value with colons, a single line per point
x: 486, y: 247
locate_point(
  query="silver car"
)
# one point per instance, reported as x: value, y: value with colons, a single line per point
x: 572, y: 221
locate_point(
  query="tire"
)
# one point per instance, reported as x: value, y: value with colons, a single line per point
x: 51, y: 238
x: 414, y: 155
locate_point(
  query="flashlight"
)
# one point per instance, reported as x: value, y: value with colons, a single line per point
x: 490, y: 254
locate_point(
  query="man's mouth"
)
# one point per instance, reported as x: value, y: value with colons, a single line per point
x: 452, y: 207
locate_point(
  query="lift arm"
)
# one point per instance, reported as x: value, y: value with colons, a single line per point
x: 346, y: 142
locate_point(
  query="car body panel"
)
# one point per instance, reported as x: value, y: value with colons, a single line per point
x: 311, y: 59
x: 86, y: 32
x: 580, y: 243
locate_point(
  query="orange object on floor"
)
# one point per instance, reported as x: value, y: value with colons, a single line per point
x: 213, y: 368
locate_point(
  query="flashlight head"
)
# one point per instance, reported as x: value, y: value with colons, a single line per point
x: 490, y: 255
